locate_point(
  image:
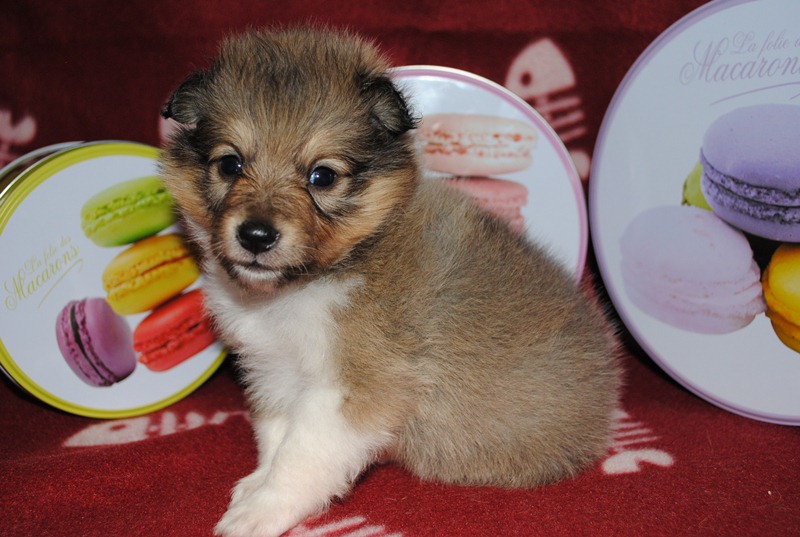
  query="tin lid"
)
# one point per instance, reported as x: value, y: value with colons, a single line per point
x: 58, y: 324
x: 647, y: 182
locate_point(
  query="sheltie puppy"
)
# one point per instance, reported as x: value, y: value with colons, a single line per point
x: 373, y: 314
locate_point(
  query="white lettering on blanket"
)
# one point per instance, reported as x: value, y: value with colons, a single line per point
x: 625, y: 455
x: 18, y: 133
x: 349, y: 527
x: 126, y: 431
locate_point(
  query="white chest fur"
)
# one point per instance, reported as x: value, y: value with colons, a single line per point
x: 285, y: 344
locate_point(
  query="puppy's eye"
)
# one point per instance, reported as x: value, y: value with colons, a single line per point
x: 231, y: 166
x: 322, y: 176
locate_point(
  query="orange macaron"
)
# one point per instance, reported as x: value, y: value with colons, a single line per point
x: 174, y: 332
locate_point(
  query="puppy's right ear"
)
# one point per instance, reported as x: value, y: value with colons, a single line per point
x: 390, y: 112
x: 185, y: 104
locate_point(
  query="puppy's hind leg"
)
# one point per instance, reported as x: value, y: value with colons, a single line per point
x: 319, y: 457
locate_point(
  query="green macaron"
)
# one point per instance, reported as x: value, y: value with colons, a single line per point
x: 127, y: 212
x: 692, y: 194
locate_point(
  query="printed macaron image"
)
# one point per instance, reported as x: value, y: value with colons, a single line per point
x: 751, y: 170
x: 689, y: 269
x: 499, y: 197
x: 127, y: 212
x: 149, y: 273
x: 472, y: 144
x: 692, y: 193
x: 95, y: 342
x: 173, y: 332
x: 781, y: 282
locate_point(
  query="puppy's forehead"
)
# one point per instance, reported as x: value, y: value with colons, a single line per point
x: 290, y: 126
x: 238, y: 133
x: 298, y: 96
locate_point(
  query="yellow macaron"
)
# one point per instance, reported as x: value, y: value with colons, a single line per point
x: 149, y: 273
x: 781, y: 282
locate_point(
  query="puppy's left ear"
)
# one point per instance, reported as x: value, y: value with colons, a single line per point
x: 185, y: 104
x: 389, y: 110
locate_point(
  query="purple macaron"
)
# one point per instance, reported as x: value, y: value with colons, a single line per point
x: 96, y: 343
x: 751, y: 170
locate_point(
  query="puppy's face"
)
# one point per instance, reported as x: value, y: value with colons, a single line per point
x: 293, y: 151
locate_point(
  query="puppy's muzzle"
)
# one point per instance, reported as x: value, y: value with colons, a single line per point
x: 257, y: 237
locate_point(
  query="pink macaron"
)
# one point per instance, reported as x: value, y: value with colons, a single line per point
x: 471, y: 144
x: 501, y: 198
x: 96, y: 343
x: 689, y: 269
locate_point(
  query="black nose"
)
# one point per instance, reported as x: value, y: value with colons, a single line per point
x: 256, y: 236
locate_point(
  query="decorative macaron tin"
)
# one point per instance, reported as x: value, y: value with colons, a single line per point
x: 102, y: 313
x: 478, y: 137
x: 695, y: 205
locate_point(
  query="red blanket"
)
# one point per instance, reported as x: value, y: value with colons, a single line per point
x: 95, y: 70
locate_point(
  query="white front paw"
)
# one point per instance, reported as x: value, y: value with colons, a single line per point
x: 249, y: 484
x: 260, y: 513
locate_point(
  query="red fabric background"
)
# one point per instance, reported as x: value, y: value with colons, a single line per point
x: 94, y: 70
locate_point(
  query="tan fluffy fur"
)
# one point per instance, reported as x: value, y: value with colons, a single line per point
x: 466, y: 348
